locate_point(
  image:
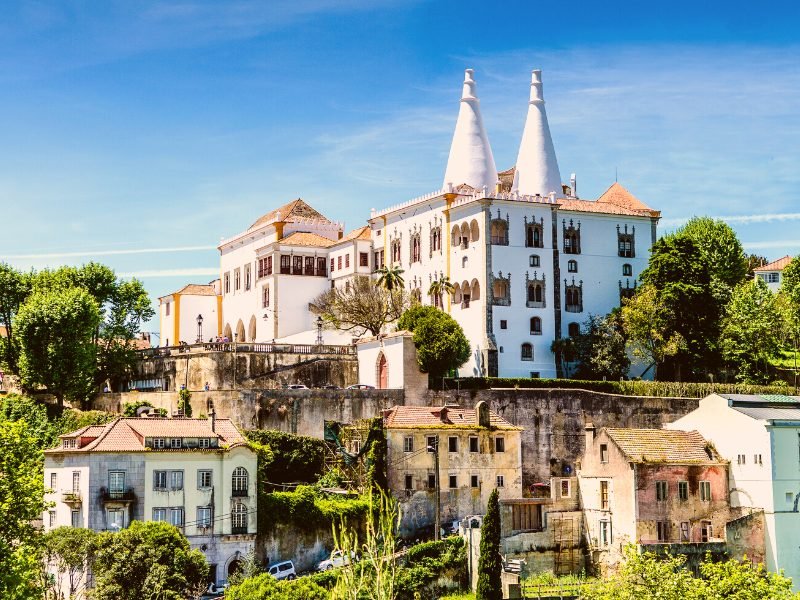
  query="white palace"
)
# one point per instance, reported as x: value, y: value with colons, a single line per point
x: 529, y: 259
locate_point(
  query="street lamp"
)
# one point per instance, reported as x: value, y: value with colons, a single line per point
x: 199, y: 329
x: 319, y: 331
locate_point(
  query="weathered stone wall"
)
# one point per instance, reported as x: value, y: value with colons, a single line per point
x: 554, y: 420
x: 305, y: 549
x: 250, y: 370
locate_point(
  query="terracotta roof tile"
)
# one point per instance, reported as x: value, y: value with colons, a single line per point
x: 664, y: 446
x: 616, y: 200
x: 305, y: 238
x: 127, y: 434
x: 405, y: 417
x: 194, y: 289
x: 362, y: 233
x: 289, y: 212
x: 775, y: 265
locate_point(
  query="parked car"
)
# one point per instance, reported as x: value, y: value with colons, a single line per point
x: 337, y: 559
x: 296, y: 386
x: 282, y: 570
x: 360, y: 386
x: 214, y: 592
x: 330, y: 386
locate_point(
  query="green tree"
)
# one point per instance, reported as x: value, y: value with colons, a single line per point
x: 147, y: 560
x: 69, y: 551
x: 684, y: 304
x: 722, y: 252
x: 21, y: 502
x: 55, y: 333
x: 185, y: 403
x: 266, y: 587
x: 362, y: 306
x: 15, y: 286
x: 600, y: 348
x: 129, y: 408
x: 440, y: 341
x: 489, y: 563
x: 440, y: 287
x: 376, y: 457
x: 751, y: 331
x: 753, y: 262
x: 391, y: 277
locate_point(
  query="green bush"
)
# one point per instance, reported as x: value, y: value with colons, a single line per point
x: 662, y: 389
x: 307, y: 508
x: 295, y: 458
x: 265, y: 587
x: 430, y: 566
x: 129, y: 408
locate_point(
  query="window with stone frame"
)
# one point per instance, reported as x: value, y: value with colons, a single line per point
x: 499, y: 230
x: 573, y: 296
x: 436, y: 240
x: 363, y: 259
x: 321, y: 267
x: 573, y: 330
x: 526, y: 351
x: 395, y: 250
x: 501, y: 290
x: 535, y: 290
x: 416, y: 248
x: 297, y: 265
x: 265, y: 297
x: 536, y: 326
x: 572, y: 237
x: 247, y: 277
x: 379, y: 262
x: 572, y: 266
x: 626, y: 246
x: 237, y: 279
x: 416, y: 295
x: 347, y: 261
x: 534, y: 233
x: 534, y: 261
x: 627, y: 270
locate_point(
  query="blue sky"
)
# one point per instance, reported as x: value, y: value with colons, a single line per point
x: 140, y: 133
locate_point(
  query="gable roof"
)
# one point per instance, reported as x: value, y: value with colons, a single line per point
x: 422, y: 417
x: 616, y: 200
x: 289, y: 213
x: 663, y: 446
x: 775, y: 265
x: 127, y: 434
x: 194, y: 289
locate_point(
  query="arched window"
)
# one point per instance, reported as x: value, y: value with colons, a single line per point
x: 395, y: 248
x: 464, y: 236
x: 536, y: 326
x: 534, y: 235
x: 464, y: 261
x: 240, y: 481
x: 239, y: 518
x: 476, y: 290
x: 455, y: 236
x: 474, y: 231
x: 456, y: 294
x: 499, y: 232
x: 527, y: 351
x: 572, y: 266
x: 535, y: 293
x: 573, y: 297
x: 466, y: 294
x: 627, y: 270
x: 573, y: 329
x: 572, y: 237
x: 501, y: 290
x: 416, y: 248
x: 534, y: 260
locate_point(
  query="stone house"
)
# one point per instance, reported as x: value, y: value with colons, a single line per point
x: 197, y: 474
x: 654, y: 488
x: 478, y: 451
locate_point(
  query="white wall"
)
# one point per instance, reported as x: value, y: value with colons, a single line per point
x: 368, y: 355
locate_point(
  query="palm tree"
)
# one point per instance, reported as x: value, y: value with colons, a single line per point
x: 441, y: 286
x: 390, y: 278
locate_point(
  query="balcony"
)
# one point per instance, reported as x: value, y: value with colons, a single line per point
x: 239, y: 530
x: 239, y: 493
x: 71, y: 497
x: 125, y: 496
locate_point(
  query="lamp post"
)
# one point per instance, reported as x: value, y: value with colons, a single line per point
x: 319, y: 331
x: 199, y: 329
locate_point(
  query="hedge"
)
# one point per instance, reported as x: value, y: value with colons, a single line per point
x: 295, y: 458
x: 308, y: 509
x: 663, y: 389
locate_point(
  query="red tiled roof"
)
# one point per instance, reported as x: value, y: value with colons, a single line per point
x: 664, y: 446
x: 305, y: 238
x: 406, y: 417
x: 194, y: 289
x: 127, y: 434
x: 775, y: 265
x: 362, y: 233
x: 616, y: 200
x: 289, y: 212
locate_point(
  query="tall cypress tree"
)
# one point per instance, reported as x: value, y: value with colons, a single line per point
x: 489, y: 563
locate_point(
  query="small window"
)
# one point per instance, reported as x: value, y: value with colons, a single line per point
x: 453, y: 481
x: 500, y: 481
x: 536, y: 326
x: 535, y: 374
x: 75, y: 518
x: 159, y: 480
x: 409, y: 483
x: 408, y: 444
x: 363, y: 259
x: 705, y: 491
x: 526, y: 352
x: 52, y: 518
x: 339, y: 262
x: 473, y: 481
x: 76, y: 482
x: 604, y: 495
x: 572, y: 266
x: 565, y: 488
x: 757, y: 459
x: 499, y: 444
x: 175, y: 442
x: 430, y: 443
x: 503, y: 324
x: 662, y: 531
x: 605, y: 533
x: 159, y: 442
x: 53, y: 481
x: 627, y: 270
x: 431, y: 481
x: 789, y: 498
x: 160, y: 515
x: 573, y: 330
x: 684, y: 531
x: 603, y: 453
x: 534, y: 260
x: 176, y: 517
x: 661, y: 491
x: 176, y: 480
x: 773, y: 278
x: 204, y: 443
x: 706, y: 531
x: 452, y: 444
x: 166, y: 306
x: 741, y: 459
x: 347, y: 260
x: 683, y: 490
x: 204, y: 479
x: 333, y: 265
x: 204, y: 516
x: 473, y: 444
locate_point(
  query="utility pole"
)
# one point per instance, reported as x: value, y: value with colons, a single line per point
x: 438, y: 499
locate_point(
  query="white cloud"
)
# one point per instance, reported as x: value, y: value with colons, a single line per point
x: 741, y: 219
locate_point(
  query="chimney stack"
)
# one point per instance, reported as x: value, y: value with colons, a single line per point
x: 590, y: 433
x: 573, y: 185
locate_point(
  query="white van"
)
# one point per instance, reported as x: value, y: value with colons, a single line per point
x: 282, y: 570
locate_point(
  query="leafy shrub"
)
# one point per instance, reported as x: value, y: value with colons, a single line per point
x: 129, y: 408
x: 308, y: 509
x: 295, y: 458
x: 265, y: 587
x: 429, y: 566
x: 663, y: 389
